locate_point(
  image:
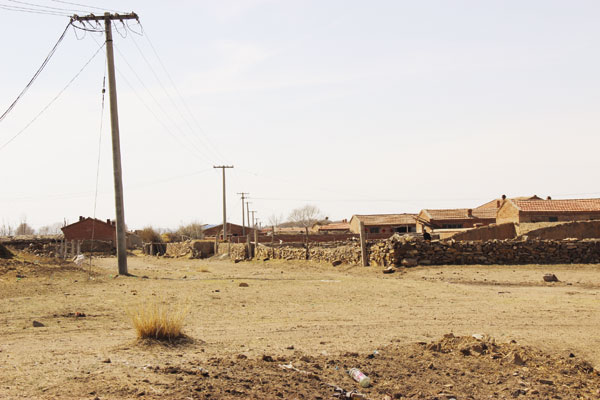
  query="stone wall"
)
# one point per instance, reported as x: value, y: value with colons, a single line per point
x: 191, y: 249
x: 237, y: 251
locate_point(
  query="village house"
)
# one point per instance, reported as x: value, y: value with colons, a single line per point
x: 459, y: 218
x: 97, y: 230
x: 90, y: 228
x: 232, y: 230
x: 384, y: 223
x: 331, y: 227
x: 519, y: 211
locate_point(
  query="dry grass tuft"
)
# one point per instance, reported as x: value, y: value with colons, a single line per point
x: 159, y: 321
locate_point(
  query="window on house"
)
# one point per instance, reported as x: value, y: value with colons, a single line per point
x: 451, y: 226
x: 553, y: 219
x: 374, y: 230
x: 401, y: 229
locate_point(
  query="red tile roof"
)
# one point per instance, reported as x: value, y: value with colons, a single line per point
x: 461, y: 213
x: 339, y: 226
x: 388, y: 219
x: 574, y: 205
x: 494, y: 203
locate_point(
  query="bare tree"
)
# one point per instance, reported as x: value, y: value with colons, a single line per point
x: 52, y: 229
x: 275, y: 220
x: 193, y: 230
x: 6, y: 228
x: 24, y: 229
x: 305, y: 216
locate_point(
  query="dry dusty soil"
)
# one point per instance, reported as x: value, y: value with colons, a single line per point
x: 296, y: 328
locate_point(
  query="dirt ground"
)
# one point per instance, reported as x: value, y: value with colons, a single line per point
x: 296, y: 328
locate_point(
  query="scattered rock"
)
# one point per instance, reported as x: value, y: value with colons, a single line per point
x: 290, y: 347
x: 335, y: 263
x: 243, y: 284
x: 267, y: 358
x: 517, y: 359
x: 550, y: 278
x: 546, y: 382
x: 389, y: 270
x: 38, y: 324
x: 409, y: 262
x: 106, y: 361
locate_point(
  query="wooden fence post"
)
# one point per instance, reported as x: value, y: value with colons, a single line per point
x: 363, y: 245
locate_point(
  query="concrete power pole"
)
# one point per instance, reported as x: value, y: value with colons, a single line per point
x: 243, y: 214
x: 224, y: 200
x: 114, y: 124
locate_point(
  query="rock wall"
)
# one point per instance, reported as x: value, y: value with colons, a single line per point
x: 4, y: 252
x: 237, y: 251
x: 191, y: 249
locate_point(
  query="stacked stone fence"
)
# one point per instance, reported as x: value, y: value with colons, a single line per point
x: 400, y: 251
x: 312, y: 238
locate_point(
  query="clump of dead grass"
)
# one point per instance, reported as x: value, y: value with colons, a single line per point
x: 158, y: 320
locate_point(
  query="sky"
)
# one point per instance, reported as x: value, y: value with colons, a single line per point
x: 355, y: 107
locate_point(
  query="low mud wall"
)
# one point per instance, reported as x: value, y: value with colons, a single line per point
x: 577, y: 230
x: 490, y: 232
x: 191, y: 249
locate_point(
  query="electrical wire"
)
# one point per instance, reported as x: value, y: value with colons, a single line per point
x: 188, y: 109
x: 37, y: 73
x: 86, y: 6
x: 98, y: 164
x: 199, y: 145
x: 43, y: 7
x: 173, y: 122
x: 31, y: 10
x: 53, y: 100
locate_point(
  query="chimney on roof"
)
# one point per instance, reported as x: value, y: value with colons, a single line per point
x: 470, y: 213
x: 81, y: 218
x: 108, y: 221
x: 548, y: 198
x: 503, y: 197
x: 498, y: 203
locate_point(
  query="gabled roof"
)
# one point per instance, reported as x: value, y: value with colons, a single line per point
x: 494, y: 203
x: 387, y: 219
x: 87, y: 220
x: 460, y: 213
x: 573, y: 205
x: 336, y: 226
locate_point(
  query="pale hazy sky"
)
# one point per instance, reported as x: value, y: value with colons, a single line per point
x: 353, y: 106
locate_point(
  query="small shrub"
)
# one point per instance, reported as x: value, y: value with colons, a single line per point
x: 159, y: 321
x: 149, y: 235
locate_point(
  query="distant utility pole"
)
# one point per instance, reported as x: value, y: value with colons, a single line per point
x: 243, y: 216
x: 114, y: 124
x: 248, y: 213
x: 253, y: 224
x: 224, y: 202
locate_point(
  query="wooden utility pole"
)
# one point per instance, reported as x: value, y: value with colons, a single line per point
x: 114, y: 124
x: 248, y: 213
x: 224, y: 200
x: 253, y: 224
x: 243, y: 214
x: 363, y: 245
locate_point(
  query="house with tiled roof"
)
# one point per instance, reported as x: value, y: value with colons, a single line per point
x: 458, y: 218
x: 496, y: 203
x: 332, y: 227
x: 384, y: 223
x: 519, y: 211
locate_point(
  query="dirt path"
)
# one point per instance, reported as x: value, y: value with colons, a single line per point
x: 318, y: 310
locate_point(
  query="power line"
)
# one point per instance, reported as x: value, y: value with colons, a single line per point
x: 188, y: 109
x: 183, y: 117
x: 37, y: 73
x: 54, y: 99
x: 43, y: 7
x: 86, y: 6
x: 32, y: 10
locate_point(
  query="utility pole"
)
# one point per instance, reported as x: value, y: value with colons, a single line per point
x: 243, y: 216
x: 253, y: 225
x: 224, y: 200
x: 248, y: 213
x: 114, y: 124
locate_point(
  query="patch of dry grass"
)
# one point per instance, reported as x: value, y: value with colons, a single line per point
x: 159, y: 321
